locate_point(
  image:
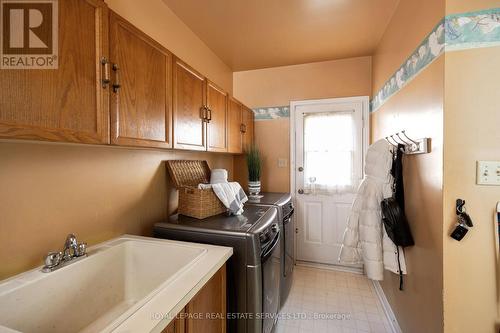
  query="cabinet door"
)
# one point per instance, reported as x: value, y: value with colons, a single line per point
x: 178, y: 325
x: 217, y: 118
x: 234, y: 126
x: 209, y: 301
x: 141, y: 106
x: 69, y: 103
x: 248, y: 127
x: 189, y: 113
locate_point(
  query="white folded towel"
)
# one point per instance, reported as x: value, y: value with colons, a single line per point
x: 218, y: 176
x: 231, y: 195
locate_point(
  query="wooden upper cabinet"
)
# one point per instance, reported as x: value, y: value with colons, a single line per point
x: 141, y: 105
x: 248, y: 127
x: 189, y: 95
x: 217, y: 118
x: 235, y: 138
x: 68, y: 103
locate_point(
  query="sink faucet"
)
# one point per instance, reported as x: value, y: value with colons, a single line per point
x: 70, y: 247
x: 71, y: 252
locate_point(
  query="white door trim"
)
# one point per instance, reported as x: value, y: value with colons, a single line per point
x: 365, y: 100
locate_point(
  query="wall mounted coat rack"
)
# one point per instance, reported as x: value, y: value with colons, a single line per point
x: 411, y: 146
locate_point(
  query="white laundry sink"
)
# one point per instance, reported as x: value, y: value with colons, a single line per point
x: 122, y: 284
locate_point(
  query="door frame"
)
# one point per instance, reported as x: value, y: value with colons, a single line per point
x: 365, y: 101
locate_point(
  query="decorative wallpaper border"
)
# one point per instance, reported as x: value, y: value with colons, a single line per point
x: 472, y: 30
x: 273, y: 112
x: 454, y: 32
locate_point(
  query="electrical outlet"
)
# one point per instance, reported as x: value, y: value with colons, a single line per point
x: 488, y: 173
x: 282, y: 162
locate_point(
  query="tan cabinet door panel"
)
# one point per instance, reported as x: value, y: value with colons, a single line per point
x: 211, y: 301
x: 248, y: 127
x: 69, y: 103
x: 234, y: 126
x: 189, y: 100
x: 217, y: 125
x: 141, y: 106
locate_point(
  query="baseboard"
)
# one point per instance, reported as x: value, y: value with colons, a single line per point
x: 340, y: 268
x: 393, y: 322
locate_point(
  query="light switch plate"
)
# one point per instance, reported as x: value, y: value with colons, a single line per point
x: 488, y: 173
x: 282, y: 162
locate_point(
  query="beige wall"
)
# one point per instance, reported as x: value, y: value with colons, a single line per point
x: 410, y: 24
x: 280, y: 85
x: 48, y: 190
x: 273, y: 139
x: 418, y: 109
x: 462, y: 6
x: 159, y: 22
x: 97, y: 192
x: 472, y: 117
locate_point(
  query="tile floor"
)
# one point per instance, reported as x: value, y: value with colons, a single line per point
x: 324, y: 301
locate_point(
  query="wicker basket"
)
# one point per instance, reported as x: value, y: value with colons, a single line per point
x: 194, y: 202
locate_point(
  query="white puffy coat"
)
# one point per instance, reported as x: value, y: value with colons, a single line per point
x: 365, y: 239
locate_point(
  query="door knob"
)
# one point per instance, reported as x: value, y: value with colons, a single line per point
x: 301, y: 191
x: 301, y: 169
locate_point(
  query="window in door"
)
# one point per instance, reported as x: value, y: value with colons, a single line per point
x: 329, y: 145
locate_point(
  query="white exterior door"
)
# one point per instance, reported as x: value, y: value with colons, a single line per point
x: 329, y: 140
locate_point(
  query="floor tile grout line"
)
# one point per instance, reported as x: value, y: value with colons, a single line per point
x: 317, y: 290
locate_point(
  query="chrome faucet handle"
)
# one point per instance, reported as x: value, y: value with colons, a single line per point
x: 82, y: 249
x: 53, y: 259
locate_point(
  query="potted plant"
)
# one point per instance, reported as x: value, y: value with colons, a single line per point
x: 254, y: 165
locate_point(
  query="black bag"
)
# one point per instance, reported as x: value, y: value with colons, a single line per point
x: 397, y: 228
x: 393, y: 215
x: 395, y: 223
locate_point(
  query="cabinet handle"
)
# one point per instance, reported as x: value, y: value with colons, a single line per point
x: 243, y: 128
x: 105, y: 72
x: 209, y: 114
x: 203, y: 113
x: 116, y: 84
